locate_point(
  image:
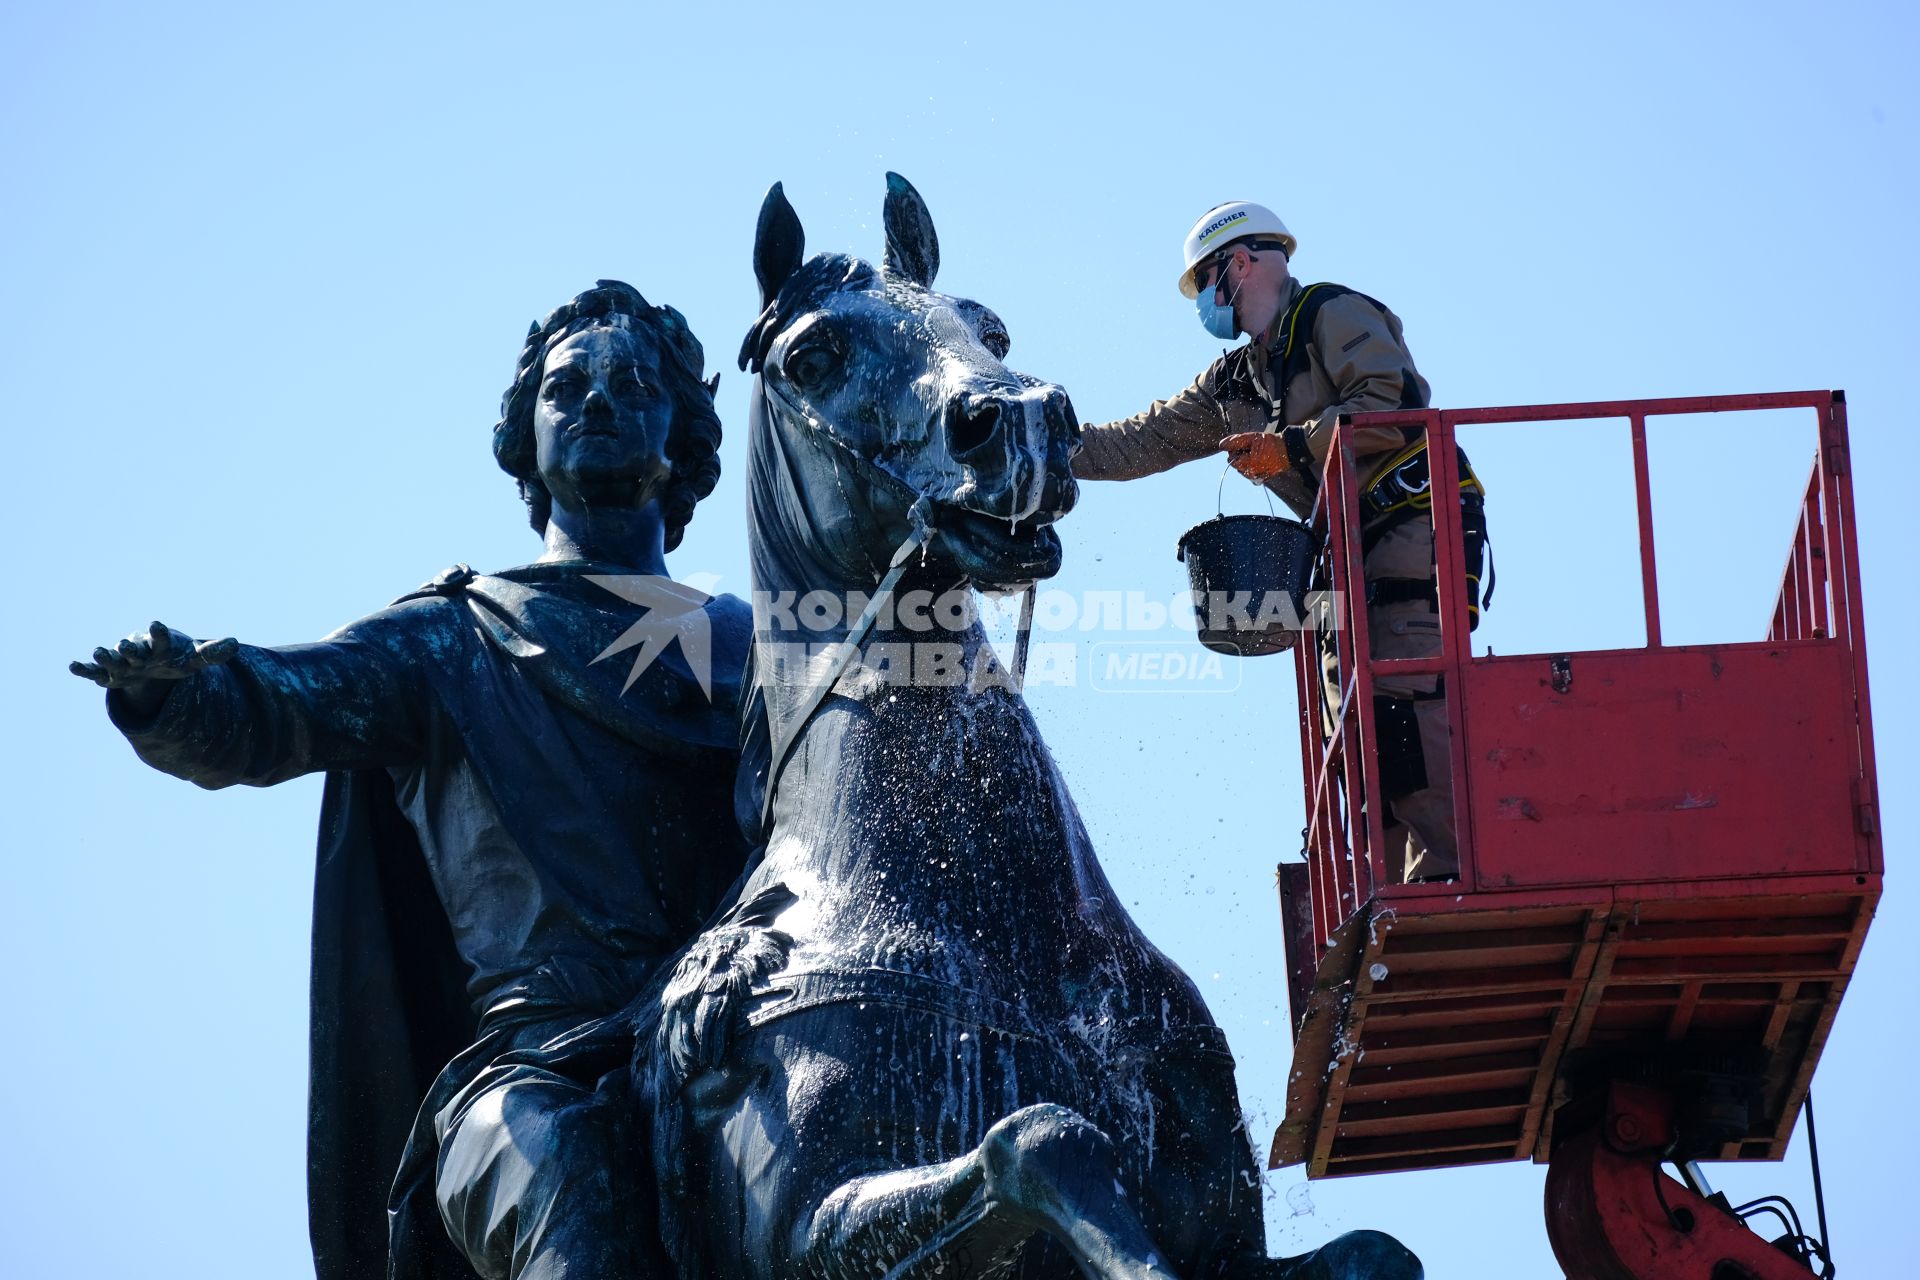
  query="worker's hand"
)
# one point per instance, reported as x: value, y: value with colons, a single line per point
x: 1257, y: 455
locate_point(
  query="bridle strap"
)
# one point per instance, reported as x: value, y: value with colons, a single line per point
x: 919, y: 515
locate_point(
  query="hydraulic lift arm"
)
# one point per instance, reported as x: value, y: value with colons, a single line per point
x: 1614, y: 1214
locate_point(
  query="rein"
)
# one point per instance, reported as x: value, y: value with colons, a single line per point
x: 816, y: 693
x: 919, y: 515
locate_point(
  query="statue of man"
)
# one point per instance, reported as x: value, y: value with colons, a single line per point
x: 515, y: 832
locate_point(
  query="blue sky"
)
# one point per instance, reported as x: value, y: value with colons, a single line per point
x: 266, y: 271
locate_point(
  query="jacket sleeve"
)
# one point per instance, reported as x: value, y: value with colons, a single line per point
x: 267, y: 715
x: 1360, y: 347
x: 1185, y: 426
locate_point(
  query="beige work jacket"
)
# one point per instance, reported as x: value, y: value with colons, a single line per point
x: 1357, y: 361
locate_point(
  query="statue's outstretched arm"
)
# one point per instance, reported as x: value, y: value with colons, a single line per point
x: 220, y: 712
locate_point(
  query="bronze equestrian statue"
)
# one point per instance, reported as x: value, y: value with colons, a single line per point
x: 917, y: 1035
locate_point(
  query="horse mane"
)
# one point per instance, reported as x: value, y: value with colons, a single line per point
x: 819, y: 277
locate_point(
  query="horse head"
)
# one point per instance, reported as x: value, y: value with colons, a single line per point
x: 885, y: 417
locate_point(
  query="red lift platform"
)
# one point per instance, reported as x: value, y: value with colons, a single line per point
x: 1669, y: 857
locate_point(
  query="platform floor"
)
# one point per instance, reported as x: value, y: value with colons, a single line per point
x: 1453, y: 1023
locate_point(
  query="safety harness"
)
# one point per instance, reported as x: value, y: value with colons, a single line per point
x: 1398, y: 489
x: 1401, y: 488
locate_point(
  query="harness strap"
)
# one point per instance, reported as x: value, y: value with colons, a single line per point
x: 1294, y: 438
x: 1402, y: 590
x: 1473, y: 524
x: 1404, y: 482
x: 1312, y: 298
x: 1476, y: 552
x: 1423, y: 591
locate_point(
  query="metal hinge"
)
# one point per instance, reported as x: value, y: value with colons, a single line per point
x: 1865, y: 812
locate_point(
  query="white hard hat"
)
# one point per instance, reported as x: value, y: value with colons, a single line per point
x: 1223, y: 224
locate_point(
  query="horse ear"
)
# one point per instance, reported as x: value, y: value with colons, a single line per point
x: 778, y: 243
x: 913, y: 250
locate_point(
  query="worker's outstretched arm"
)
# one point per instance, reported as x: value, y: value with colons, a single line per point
x: 1185, y: 426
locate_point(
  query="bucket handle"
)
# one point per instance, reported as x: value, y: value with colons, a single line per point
x: 1220, y: 490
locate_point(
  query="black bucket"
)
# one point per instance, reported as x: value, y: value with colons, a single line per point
x: 1240, y: 568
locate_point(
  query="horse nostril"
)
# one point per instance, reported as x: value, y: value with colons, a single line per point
x: 971, y: 423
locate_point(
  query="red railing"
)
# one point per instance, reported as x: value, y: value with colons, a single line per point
x: 1819, y: 602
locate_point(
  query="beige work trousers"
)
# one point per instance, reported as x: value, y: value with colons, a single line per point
x: 1418, y: 827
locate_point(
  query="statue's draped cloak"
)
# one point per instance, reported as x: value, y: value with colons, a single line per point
x: 388, y: 1010
x: 407, y: 999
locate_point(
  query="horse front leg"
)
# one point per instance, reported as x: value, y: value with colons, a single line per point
x: 1357, y: 1255
x: 1043, y: 1169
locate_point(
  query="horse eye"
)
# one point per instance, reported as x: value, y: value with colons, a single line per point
x: 996, y: 341
x: 811, y: 365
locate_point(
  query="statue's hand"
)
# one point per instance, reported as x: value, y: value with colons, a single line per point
x: 147, y: 665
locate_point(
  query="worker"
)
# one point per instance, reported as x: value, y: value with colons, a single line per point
x: 1315, y: 352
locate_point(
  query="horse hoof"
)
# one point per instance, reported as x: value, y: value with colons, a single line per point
x: 1046, y: 1162
x: 1369, y: 1255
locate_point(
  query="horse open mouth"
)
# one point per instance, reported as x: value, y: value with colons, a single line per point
x: 996, y: 552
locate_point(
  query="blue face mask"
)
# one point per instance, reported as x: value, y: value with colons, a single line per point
x: 1214, y: 318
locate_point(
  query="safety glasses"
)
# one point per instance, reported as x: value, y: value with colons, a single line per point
x: 1203, y: 275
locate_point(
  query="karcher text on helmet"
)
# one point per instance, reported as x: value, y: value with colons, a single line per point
x: 1221, y: 226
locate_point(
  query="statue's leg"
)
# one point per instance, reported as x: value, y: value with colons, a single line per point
x: 536, y: 1181
x: 1042, y: 1169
